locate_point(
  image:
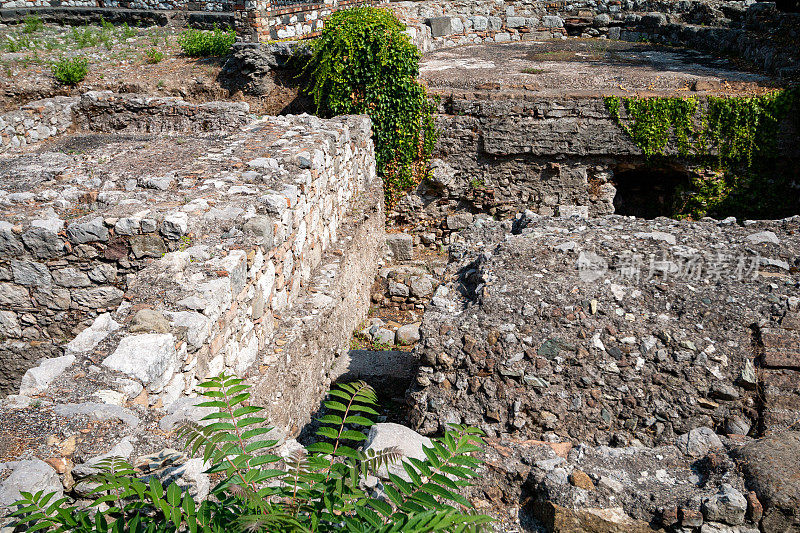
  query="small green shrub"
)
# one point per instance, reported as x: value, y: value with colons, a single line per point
x: 365, y: 63
x: 153, y: 56
x: 32, y: 24
x: 18, y: 43
x: 315, y: 489
x: 85, y: 37
x: 203, y: 43
x: 71, y: 71
x: 127, y: 31
x: 107, y: 40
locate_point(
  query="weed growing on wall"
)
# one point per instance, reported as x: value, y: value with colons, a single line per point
x: 365, y: 63
x: 315, y: 489
x: 70, y: 71
x: 732, y: 139
x: 203, y: 43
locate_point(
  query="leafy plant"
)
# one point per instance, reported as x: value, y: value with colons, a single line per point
x: 32, y: 24
x: 734, y: 128
x: 153, y: 56
x: 318, y: 488
x: 733, y: 138
x: 85, y: 37
x: 365, y: 63
x: 71, y: 71
x: 202, y: 43
x: 18, y: 43
x: 127, y: 31
x: 107, y: 40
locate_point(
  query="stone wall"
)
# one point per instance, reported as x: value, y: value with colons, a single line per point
x: 256, y: 216
x: 260, y: 21
x: 500, y: 155
x: 36, y: 121
x: 103, y: 111
x: 113, y: 5
x: 502, y: 150
x: 614, y: 330
x: 756, y: 32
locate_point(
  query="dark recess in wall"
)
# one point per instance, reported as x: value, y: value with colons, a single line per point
x: 648, y: 192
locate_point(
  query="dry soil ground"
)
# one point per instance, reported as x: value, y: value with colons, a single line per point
x: 118, y: 61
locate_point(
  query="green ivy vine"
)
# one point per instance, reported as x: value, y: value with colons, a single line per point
x: 730, y: 139
x: 365, y: 63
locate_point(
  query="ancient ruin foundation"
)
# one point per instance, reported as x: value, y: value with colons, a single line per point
x: 631, y: 372
x: 230, y: 236
x: 525, y: 126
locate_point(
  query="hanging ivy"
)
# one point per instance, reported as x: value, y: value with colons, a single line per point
x: 733, y: 129
x: 365, y: 63
x: 651, y: 122
x: 732, y: 137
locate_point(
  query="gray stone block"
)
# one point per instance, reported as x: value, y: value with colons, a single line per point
x: 440, y: 26
x: 386, y: 435
x: 150, y: 358
x: 551, y: 21
x: 30, y: 476
x: 37, y: 379
x: 31, y: 273
x: 459, y: 221
x: 43, y: 242
x: 9, y: 243
x: 480, y: 23
x: 92, y: 231
x: 401, y: 245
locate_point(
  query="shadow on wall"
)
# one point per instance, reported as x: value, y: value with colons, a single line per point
x: 649, y: 192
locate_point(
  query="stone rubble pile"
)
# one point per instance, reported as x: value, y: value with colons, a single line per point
x: 614, y: 330
x: 726, y: 488
x: 622, y: 369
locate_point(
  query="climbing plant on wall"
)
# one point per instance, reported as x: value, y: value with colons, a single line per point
x: 364, y: 63
x: 732, y: 139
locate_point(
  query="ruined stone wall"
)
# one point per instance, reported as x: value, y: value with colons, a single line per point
x: 502, y: 150
x: 102, y: 111
x: 60, y: 267
x: 500, y: 155
x: 244, y: 228
x: 36, y: 121
x: 436, y: 24
x: 110, y: 5
x: 757, y: 32
x: 614, y: 330
x: 263, y: 22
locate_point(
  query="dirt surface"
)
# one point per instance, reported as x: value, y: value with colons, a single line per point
x: 583, y: 67
x: 118, y: 61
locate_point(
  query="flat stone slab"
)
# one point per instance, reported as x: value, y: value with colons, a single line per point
x: 578, y: 67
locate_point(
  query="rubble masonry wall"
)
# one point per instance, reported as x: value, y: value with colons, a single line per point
x: 224, y: 264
